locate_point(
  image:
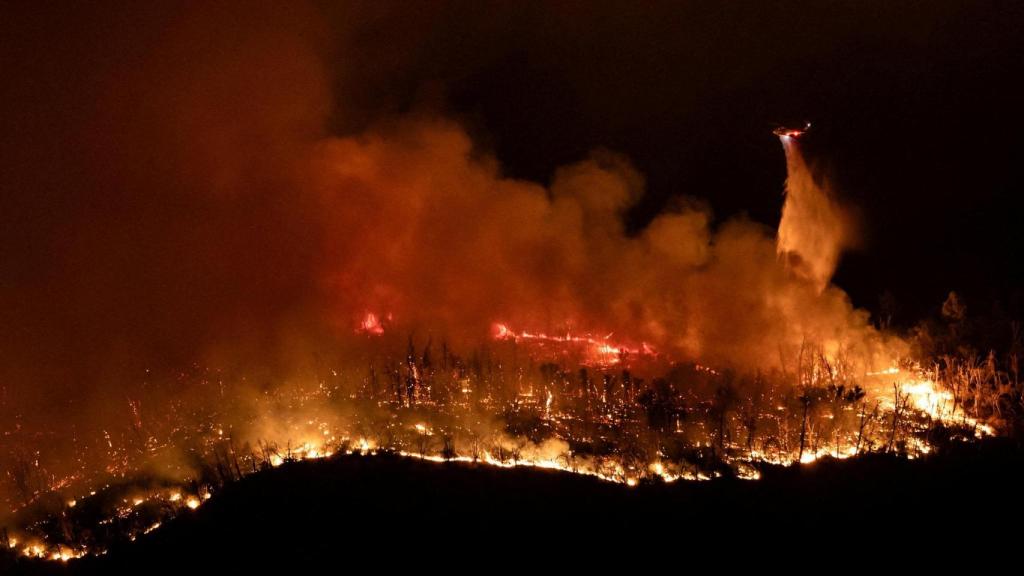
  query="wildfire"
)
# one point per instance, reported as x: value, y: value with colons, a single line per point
x: 912, y: 389
x: 442, y: 234
x: 444, y: 426
x: 370, y: 324
x: 56, y: 553
x: 595, y: 351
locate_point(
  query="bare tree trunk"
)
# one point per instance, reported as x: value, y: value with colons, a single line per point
x: 864, y: 419
x: 803, y: 430
x: 898, y: 405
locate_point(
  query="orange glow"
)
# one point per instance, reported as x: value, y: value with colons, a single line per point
x: 371, y: 324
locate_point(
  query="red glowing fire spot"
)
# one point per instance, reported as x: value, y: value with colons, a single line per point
x: 501, y: 332
x: 596, y: 351
x: 370, y: 324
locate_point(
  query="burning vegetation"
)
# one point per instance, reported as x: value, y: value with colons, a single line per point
x: 623, y: 409
x: 292, y: 296
x: 619, y: 410
x: 515, y: 402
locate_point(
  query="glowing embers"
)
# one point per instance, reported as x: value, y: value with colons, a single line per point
x: 608, y: 471
x: 57, y: 553
x: 173, y: 501
x: 617, y: 430
x: 588, y: 349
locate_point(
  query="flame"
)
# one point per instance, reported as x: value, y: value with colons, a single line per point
x: 370, y: 324
x: 596, y: 351
x: 925, y: 395
x: 918, y: 395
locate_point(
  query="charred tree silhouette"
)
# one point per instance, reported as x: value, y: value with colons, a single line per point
x: 725, y: 397
x: 900, y: 402
x: 411, y: 375
x: 865, y: 419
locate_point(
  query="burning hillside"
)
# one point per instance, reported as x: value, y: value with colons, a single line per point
x: 570, y: 401
x: 215, y: 266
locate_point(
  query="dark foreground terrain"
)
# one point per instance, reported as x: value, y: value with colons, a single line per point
x: 396, y: 512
